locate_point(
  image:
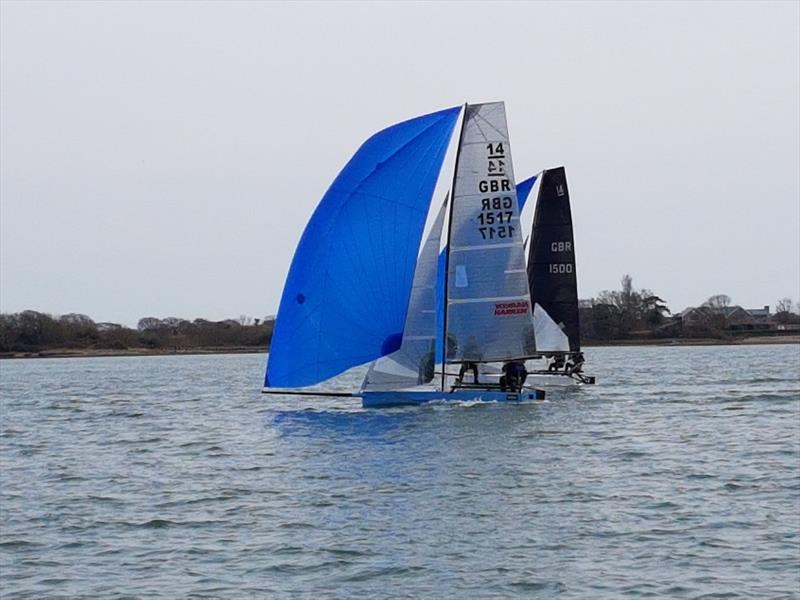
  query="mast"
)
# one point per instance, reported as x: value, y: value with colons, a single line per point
x: 447, y: 245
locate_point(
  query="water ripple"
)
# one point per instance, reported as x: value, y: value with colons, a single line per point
x: 676, y: 476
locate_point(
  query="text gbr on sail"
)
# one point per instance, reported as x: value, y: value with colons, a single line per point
x: 493, y: 185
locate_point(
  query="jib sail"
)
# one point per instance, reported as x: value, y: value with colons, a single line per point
x: 413, y: 363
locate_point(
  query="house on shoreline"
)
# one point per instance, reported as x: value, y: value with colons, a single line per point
x: 726, y: 318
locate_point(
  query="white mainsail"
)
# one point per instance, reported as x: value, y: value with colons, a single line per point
x: 488, y: 305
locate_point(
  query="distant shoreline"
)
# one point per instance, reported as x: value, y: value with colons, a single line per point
x: 744, y: 341
x: 94, y: 353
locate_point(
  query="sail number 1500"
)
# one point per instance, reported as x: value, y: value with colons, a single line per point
x: 560, y: 268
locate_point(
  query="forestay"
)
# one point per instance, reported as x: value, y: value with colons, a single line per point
x: 345, y: 298
x: 488, y: 308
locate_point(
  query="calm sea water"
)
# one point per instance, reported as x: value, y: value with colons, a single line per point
x: 678, y: 475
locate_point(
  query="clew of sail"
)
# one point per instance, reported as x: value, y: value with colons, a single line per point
x: 346, y: 295
x: 413, y: 363
x: 552, y: 272
x: 488, y: 315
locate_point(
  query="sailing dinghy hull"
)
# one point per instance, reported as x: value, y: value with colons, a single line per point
x: 385, y: 399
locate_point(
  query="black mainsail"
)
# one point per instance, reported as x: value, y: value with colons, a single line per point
x: 551, y: 260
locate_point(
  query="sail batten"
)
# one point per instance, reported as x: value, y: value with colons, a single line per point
x: 490, y: 299
x: 480, y: 247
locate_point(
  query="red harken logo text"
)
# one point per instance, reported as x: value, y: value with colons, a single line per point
x: 503, y: 309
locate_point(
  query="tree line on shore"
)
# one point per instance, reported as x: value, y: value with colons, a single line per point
x: 628, y: 313
x: 623, y: 314
x: 32, y: 331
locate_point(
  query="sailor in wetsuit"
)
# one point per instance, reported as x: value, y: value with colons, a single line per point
x: 514, y: 376
x: 557, y: 364
x: 471, y: 351
x: 575, y: 364
x: 426, y: 368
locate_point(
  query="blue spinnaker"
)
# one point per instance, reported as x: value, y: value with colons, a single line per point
x: 345, y: 298
x: 523, y: 191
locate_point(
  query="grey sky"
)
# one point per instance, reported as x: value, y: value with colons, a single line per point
x: 163, y: 158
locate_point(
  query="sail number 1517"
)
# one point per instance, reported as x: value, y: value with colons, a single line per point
x: 496, y: 213
x: 497, y: 232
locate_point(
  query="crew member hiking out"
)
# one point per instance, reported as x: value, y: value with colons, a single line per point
x: 575, y: 364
